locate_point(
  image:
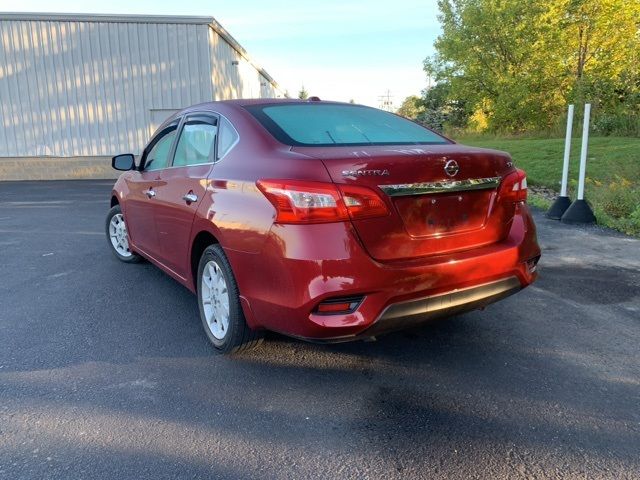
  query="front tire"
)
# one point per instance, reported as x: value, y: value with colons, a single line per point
x: 219, y: 303
x: 118, y: 238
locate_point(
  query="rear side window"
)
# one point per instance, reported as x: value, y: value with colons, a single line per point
x: 197, y: 142
x: 227, y: 137
x: 331, y: 124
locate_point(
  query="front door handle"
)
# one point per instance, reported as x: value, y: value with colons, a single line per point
x: 190, y: 197
x: 149, y: 193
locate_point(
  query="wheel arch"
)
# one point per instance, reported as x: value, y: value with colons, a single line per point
x: 201, y: 240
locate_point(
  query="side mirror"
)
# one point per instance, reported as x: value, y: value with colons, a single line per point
x: 124, y: 162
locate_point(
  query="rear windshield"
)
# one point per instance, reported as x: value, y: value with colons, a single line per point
x: 328, y: 124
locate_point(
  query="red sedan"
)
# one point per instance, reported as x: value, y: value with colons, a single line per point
x: 321, y: 220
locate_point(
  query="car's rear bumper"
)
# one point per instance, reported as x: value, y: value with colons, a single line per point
x: 304, y: 265
x: 413, y: 312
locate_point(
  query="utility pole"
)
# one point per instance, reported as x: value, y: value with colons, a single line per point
x: 385, y: 101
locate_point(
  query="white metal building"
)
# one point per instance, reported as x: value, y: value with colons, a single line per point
x: 96, y: 85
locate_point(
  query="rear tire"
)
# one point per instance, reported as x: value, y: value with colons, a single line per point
x: 219, y: 304
x: 118, y: 238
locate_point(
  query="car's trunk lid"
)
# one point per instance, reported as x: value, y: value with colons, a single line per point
x: 432, y: 212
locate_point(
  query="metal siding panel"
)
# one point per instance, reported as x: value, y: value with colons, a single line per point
x: 8, y: 145
x: 62, y: 104
x: 174, y: 85
x: 137, y: 86
x: 71, y: 93
x: 85, y: 85
x: 191, y: 75
x: 33, y: 85
x: 100, y: 129
x: 43, y: 76
x: 91, y: 89
x: 77, y: 88
x: 145, y: 76
x: 122, y: 99
x: 108, y: 90
x: 204, y: 60
x: 182, y: 66
x: 16, y: 95
x: 153, y: 64
x: 226, y: 77
x: 210, y: 60
x: 126, y: 74
x: 80, y: 129
x: 26, y: 83
x: 165, y: 49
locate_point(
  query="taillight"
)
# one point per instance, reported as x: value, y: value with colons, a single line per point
x: 299, y: 201
x: 362, y: 202
x: 514, y: 187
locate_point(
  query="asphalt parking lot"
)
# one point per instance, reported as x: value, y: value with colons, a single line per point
x: 105, y: 373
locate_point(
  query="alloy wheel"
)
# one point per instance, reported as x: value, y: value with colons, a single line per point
x: 214, y: 296
x: 118, y: 235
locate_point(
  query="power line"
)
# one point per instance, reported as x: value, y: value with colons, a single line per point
x: 385, y: 101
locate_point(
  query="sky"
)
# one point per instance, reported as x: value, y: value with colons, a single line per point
x: 338, y: 49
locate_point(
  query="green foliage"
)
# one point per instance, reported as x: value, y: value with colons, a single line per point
x: 620, y: 199
x: 433, y: 119
x: 538, y: 201
x: 411, y: 107
x: 613, y: 173
x: 435, y: 109
x: 303, y: 94
x: 617, y: 124
x: 517, y: 64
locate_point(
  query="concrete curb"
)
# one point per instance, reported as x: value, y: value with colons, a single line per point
x: 56, y: 168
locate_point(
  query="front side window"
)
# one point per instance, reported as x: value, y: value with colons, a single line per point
x: 333, y: 124
x: 197, y: 142
x: 157, y: 157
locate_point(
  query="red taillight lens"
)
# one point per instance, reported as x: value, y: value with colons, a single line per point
x: 514, y: 187
x: 299, y: 201
x: 304, y: 202
x: 362, y: 202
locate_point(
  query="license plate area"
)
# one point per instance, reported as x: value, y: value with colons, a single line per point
x: 445, y: 213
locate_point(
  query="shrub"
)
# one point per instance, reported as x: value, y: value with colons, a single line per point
x: 620, y: 199
x: 616, y: 125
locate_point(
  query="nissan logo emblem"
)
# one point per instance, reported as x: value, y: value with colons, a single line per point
x: 451, y: 168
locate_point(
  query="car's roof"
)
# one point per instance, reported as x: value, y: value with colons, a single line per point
x: 222, y: 105
x: 243, y: 102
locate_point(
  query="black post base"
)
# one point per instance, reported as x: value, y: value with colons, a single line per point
x: 579, y: 212
x: 558, y: 208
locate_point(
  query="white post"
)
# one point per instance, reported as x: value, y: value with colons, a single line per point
x: 567, y: 152
x: 583, y: 151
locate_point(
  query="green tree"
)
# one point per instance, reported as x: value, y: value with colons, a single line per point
x: 516, y: 64
x: 411, y: 107
x: 303, y: 94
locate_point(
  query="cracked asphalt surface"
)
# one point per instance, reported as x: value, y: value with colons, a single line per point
x: 105, y: 373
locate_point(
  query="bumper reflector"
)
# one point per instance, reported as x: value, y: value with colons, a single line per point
x: 532, y: 265
x: 337, y: 306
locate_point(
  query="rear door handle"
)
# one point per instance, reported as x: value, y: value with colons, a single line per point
x: 149, y: 193
x: 190, y: 197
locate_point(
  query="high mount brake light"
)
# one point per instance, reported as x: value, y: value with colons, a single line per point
x: 298, y: 201
x: 514, y: 186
